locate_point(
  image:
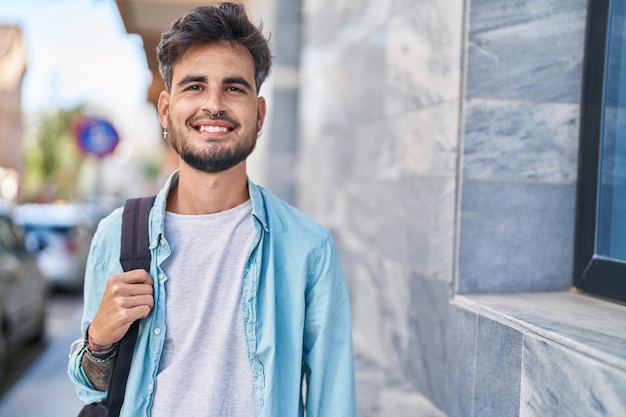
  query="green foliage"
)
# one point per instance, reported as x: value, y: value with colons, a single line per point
x: 53, y: 161
x: 151, y: 169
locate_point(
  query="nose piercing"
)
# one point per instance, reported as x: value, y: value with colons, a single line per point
x: 216, y: 115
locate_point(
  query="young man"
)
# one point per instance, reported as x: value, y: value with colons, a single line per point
x: 245, y: 298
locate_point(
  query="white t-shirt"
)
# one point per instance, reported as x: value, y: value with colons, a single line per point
x: 204, y: 369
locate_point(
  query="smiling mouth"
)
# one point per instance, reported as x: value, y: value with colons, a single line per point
x: 221, y: 125
x: 212, y: 129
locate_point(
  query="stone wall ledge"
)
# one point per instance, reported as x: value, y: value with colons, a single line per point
x: 591, y: 326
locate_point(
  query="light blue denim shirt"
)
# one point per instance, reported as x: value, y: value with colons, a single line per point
x: 295, y: 307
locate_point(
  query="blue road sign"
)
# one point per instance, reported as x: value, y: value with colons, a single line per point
x: 96, y: 136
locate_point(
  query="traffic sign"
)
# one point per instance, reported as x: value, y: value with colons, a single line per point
x: 96, y: 136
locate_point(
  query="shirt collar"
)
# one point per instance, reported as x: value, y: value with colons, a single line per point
x: 256, y: 198
x: 258, y: 204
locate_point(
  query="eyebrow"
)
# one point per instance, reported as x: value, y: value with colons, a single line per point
x: 192, y: 79
x: 203, y: 79
x: 238, y: 80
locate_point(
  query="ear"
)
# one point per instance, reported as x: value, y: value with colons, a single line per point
x: 163, y: 107
x: 261, y: 113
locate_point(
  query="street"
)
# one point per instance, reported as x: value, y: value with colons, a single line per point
x: 37, y: 383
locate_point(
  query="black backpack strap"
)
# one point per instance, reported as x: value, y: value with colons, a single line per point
x: 134, y: 254
x: 135, y: 249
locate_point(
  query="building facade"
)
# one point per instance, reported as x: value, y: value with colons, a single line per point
x: 439, y: 141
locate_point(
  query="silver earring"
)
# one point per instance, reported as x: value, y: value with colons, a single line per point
x: 164, y: 133
x: 259, y: 133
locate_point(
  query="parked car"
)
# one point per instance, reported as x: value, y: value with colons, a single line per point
x: 59, y: 235
x: 23, y: 291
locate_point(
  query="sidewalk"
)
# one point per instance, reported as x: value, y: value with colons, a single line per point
x: 45, y: 389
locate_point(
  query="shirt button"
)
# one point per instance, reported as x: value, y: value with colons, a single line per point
x: 150, y: 387
x: 163, y: 242
x: 154, y: 242
x: 157, y: 331
x: 161, y: 276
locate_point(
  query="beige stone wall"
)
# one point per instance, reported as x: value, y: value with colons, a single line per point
x: 12, y: 69
x: 11, y: 130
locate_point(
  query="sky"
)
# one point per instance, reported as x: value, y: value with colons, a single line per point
x: 78, y: 53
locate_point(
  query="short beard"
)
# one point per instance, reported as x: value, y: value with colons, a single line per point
x: 211, y: 161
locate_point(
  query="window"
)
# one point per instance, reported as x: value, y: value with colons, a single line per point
x: 600, y: 258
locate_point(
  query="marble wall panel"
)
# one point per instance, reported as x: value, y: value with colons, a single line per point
x: 498, y: 370
x: 379, y: 310
x: 319, y: 109
x: 424, y: 351
x: 507, y: 140
x: 516, y: 237
x: 417, y: 143
x: 375, y: 152
x: 281, y: 175
x: 370, y: 382
x: 526, y: 50
x: 429, y: 140
x: 315, y: 197
x: 408, y: 221
x: 407, y: 403
x: 330, y: 21
x: 284, y: 138
x: 400, y: 335
x: 460, y: 368
x: 343, y: 84
x: 559, y: 382
x: 319, y: 185
x: 397, y: 335
x: 287, y: 34
x: 385, y: 300
x: 423, y: 55
x: 358, y: 78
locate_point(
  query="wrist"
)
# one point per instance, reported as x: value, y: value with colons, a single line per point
x: 97, y: 353
x: 100, y: 356
x: 96, y: 346
x: 93, y: 345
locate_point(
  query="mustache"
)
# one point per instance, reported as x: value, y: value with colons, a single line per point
x: 223, y: 117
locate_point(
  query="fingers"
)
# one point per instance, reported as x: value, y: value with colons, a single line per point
x: 136, y: 282
x: 141, y: 311
x: 123, y: 316
x: 136, y: 276
x: 130, y: 302
x: 127, y: 297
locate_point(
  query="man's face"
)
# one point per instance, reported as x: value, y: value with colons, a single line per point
x: 209, y: 79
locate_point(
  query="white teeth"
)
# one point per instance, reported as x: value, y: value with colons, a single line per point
x: 213, y: 129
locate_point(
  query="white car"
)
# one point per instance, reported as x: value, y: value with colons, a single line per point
x: 23, y: 292
x: 59, y: 235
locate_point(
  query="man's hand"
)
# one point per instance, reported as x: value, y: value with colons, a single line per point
x: 127, y: 297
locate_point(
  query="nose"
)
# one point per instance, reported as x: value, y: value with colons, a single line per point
x: 213, y: 104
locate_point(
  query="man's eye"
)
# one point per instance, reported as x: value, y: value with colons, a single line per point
x: 235, y: 89
x: 193, y: 88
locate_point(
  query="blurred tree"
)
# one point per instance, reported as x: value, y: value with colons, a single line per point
x: 53, y: 161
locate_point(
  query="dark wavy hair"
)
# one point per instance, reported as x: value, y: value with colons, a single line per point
x: 220, y: 22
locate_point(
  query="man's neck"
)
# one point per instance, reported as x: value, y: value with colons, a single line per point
x: 205, y: 193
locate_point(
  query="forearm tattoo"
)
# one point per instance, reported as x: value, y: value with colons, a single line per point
x: 99, y: 374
